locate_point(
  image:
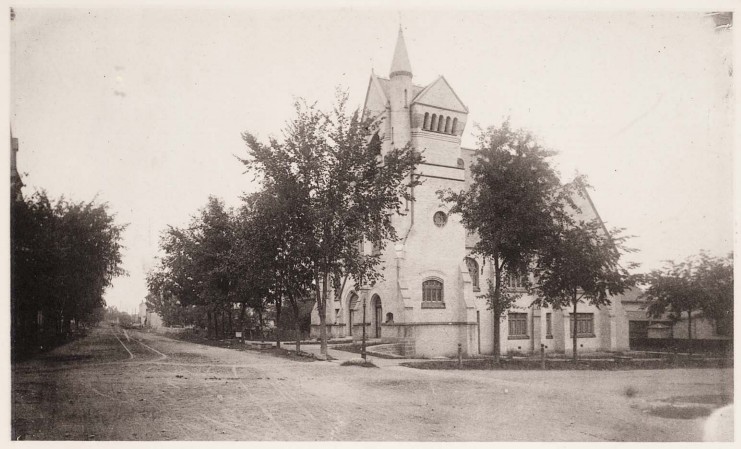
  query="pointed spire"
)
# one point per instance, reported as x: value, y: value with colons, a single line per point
x: 400, y: 64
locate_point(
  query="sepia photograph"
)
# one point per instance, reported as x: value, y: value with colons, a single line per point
x: 371, y: 222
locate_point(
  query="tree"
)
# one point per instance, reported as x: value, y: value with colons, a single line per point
x: 195, y: 270
x: 276, y: 249
x: 700, y: 283
x: 64, y: 255
x: 348, y: 188
x: 581, y: 264
x: 512, y: 203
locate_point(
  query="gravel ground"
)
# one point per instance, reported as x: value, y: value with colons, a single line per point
x: 131, y: 385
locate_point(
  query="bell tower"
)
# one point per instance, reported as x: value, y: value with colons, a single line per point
x: 400, y: 94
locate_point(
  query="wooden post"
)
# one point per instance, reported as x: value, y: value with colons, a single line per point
x: 460, y: 356
x: 542, y: 356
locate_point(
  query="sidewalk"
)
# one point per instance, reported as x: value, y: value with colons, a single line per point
x: 342, y: 356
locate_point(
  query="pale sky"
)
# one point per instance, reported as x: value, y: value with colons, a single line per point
x: 144, y: 107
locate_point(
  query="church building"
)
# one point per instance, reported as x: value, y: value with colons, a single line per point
x: 427, y: 304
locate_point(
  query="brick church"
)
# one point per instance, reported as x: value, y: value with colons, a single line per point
x: 428, y: 301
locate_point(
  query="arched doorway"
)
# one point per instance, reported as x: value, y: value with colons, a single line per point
x: 352, y: 304
x: 377, y: 315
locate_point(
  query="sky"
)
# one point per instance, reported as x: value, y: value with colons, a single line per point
x: 143, y: 108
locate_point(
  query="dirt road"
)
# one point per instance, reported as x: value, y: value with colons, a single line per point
x: 130, y: 385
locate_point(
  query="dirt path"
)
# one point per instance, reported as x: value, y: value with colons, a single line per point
x: 116, y: 385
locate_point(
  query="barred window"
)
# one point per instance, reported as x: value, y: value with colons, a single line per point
x: 432, y: 290
x: 517, y: 324
x: 548, y: 325
x: 584, y: 325
x: 473, y: 270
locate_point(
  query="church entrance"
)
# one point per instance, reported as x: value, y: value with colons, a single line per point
x: 377, y: 315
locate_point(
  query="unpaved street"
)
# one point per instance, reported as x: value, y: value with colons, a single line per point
x: 116, y: 385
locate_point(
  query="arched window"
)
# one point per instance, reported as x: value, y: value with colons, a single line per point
x: 426, y: 124
x: 454, y: 129
x: 441, y: 124
x: 447, y: 125
x: 353, y: 302
x: 433, y: 127
x: 473, y: 270
x: 432, y: 290
x: 406, y: 103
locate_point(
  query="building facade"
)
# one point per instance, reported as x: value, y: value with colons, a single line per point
x: 428, y: 302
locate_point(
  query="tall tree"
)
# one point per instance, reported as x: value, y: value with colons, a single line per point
x: 349, y: 188
x: 64, y: 254
x: 580, y: 264
x: 278, y: 251
x: 195, y: 270
x: 512, y: 204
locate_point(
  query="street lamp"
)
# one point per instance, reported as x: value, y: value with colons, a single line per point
x: 364, y: 295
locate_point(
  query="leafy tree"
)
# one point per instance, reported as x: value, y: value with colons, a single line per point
x: 349, y: 191
x: 195, y: 271
x: 276, y: 251
x: 64, y: 255
x: 581, y: 264
x: 700, y: 283
x: 512, y: 204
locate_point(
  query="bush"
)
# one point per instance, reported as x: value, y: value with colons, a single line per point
x: 359, y: 362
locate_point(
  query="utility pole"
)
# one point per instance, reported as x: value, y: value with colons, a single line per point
x: 364, y: 293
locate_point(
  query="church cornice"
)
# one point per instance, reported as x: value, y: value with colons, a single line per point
x: 432, y: 135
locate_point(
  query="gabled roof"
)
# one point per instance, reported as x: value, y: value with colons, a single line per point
x: 375, y: 86
x: 385, y: 84
x: 440, y: 87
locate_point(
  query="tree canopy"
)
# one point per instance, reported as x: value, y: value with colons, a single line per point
x: 64, y: 254
x: 581, y: 264
x: 513, y: 204
x: 700, y: 283
x: 348, y: 188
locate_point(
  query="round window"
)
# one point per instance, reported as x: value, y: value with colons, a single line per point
x: 440, y: 219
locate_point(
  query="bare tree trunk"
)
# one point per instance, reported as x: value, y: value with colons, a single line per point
x: 297, y: 322
x: 231, y: 324
x: 262, y: 325
x: 689, y: 330
x: 573, y: 328
x: 497, y: 351
x: 322, y: 309
x: 497, y: 309
x: 242, y: 314
x: 278, y: 306
x: 210, y: 326
x: 216, y: 325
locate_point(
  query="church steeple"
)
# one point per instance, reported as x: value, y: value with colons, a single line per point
x: 400, y: 64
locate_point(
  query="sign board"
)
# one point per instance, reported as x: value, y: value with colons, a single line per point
x: 239, y: 335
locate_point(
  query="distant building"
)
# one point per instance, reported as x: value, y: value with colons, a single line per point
x: 643, y: 327
x: 148, y: 318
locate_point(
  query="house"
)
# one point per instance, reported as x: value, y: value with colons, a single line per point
x: 148, y: 318
x: 428, y: 304
x: 646, y: 332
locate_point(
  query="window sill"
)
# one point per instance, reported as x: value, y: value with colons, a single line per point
x: 518, y: 337
x: 583, y: 336
x: 433, y: 305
